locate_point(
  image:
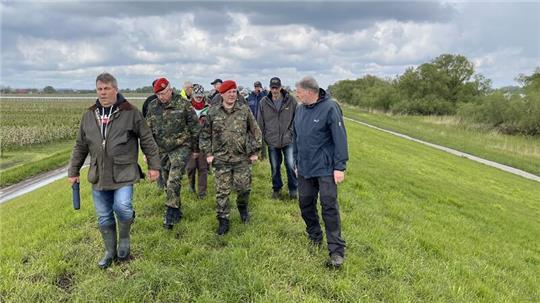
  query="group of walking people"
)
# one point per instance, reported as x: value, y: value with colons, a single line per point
x: 192, y: 131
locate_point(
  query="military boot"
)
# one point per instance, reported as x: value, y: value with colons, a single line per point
x: 223, y: 227
x: 244, y: 213
x: 242, y: 204
x: 172, y: 216
x: 124, y: 229
x: 109, y: 239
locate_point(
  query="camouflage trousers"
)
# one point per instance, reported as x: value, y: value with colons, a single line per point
x: 227, y: 176
x: 173, y: 166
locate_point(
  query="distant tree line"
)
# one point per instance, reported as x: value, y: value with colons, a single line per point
x: 51, y: 90
x: 448, y: 85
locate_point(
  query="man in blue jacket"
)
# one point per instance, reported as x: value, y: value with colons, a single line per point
x: 320, y: 150
x: 254, y: 100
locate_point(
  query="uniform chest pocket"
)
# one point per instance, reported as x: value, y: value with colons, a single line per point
x: 219, y: 124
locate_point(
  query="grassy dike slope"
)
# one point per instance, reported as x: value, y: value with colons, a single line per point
x: 420, y: 225
x: 522, y: 152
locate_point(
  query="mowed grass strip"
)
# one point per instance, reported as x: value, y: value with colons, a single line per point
x: 522, y: 152
x: 421, y: 226
x: 19, y: 165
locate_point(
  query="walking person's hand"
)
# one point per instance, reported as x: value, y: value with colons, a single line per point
x: 339, y: 176
x: 73, y: 180
x: 253, y: 158
x: 209, y: 159
x: 153, y: 175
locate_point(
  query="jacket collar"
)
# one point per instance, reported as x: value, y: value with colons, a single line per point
x: 121, y: 104
x: 323, y: 96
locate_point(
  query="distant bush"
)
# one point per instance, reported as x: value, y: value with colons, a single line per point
x: 429, y: 105
x: 511, y: 114
x: 368, y: 92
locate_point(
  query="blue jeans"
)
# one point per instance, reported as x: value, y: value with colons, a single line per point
x: 276, y: 157
x: 119, y: 201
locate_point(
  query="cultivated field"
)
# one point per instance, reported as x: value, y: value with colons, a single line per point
x: 28, y: 122
x: 37, y: 134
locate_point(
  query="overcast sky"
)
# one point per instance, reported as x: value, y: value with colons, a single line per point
x: 67, y: 44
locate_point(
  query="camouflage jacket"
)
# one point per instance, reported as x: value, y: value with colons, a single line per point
x: 174, y: 124
x: 230, y: 136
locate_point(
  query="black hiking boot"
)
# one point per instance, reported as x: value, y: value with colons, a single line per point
x: 223, y: 227
x: 242, y: 203
x: 172, y: 216
x: 244, y: 213
x: 335, y: 261
x: 293, y: 195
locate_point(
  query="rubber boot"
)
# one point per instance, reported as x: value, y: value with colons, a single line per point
x: 223, y: 227
x: 124, y: 229
x: 109, y: 239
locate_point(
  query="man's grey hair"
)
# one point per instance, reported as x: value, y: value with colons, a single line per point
x: 308, y: 83
x: 107, y: 78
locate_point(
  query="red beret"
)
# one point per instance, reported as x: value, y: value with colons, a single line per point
x: 227, y: 85
x: 160, y: 84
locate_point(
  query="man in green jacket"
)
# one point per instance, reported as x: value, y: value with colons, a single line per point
x: 175, y: 127
x: 110, y: 131
x: 231, y: 139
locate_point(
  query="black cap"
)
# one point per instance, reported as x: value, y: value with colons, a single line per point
x: 216, y: 81
x: 275, y: 82
x: 257, y: 84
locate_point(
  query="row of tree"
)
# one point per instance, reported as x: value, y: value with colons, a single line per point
x: 448, y: 85
x: 51, y: 90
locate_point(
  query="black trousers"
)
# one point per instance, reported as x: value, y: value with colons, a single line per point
x: 326, y: 188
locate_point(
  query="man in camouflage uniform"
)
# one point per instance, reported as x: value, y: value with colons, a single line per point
x: 231, y: 139
x: 175, y: 128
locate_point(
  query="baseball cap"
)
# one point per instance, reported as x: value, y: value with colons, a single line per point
x: 275, y: 82
x: 216, y: 81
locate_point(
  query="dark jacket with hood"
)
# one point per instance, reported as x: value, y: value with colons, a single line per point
x: 254, y: 101
x: 114, y: 150
x: 276, y: 124
x: 320, y: 139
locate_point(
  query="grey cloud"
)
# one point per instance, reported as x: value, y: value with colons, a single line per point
x: 132, y: 48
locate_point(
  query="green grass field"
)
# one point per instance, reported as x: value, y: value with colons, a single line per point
x: 18, y: 165
x: 421, y: 226
x: 517, y: 151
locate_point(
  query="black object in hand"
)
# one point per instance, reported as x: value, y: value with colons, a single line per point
x: 76, y: 196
